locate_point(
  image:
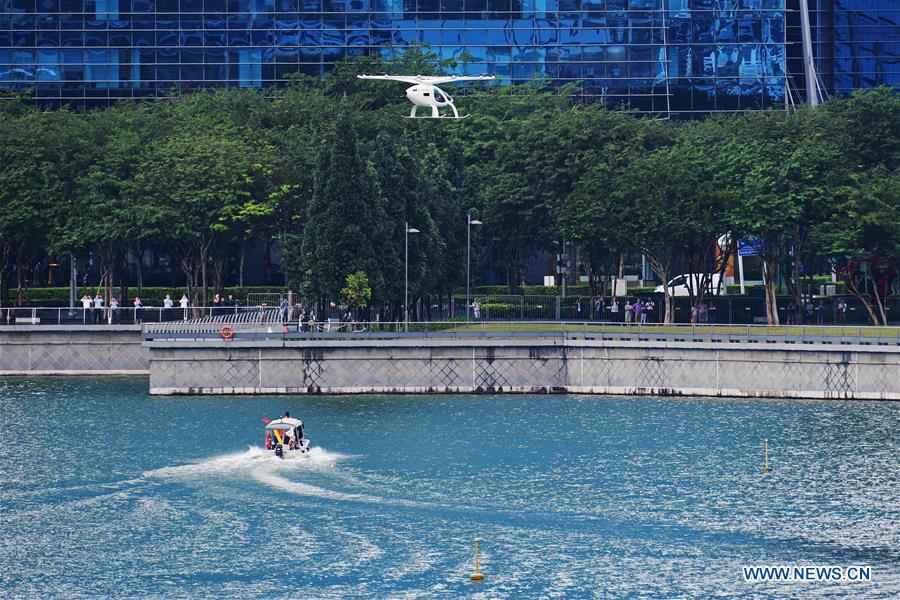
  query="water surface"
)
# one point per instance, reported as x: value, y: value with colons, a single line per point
x: 108, y: 492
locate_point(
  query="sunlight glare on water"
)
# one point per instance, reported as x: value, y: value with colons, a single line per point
x: 106, y: 492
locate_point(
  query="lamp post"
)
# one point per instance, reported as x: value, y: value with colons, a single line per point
x: 73, y: 283
x: 408, y: 230
x: 469, y: 222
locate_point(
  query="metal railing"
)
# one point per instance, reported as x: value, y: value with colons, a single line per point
x: 500, y: 309
x: 723, y: 309
x: 334, y: 330
x: 128, y: 315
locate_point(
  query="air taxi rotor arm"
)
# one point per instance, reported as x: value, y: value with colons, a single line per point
x: 453, y: 78
x: 428, y: 79
x: 404, y: 78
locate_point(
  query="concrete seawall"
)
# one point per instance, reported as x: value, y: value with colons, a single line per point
x: 72, y: 350
x: 560, y: 364
x: 497, y: 364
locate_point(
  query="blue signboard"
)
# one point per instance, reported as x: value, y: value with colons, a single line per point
x: 750, y: 247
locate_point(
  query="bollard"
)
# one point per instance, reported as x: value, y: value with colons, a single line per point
x: 477, y: 575
x: 765, y: 456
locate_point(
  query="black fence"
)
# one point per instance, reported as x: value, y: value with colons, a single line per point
x: 743, y: 310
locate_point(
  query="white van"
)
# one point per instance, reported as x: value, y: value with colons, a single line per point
x: 678, y: 286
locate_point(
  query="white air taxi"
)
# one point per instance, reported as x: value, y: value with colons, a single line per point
x: 426, y: 93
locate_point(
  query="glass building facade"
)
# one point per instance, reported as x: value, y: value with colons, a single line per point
x: 856, y: 43
x: 662, y: 56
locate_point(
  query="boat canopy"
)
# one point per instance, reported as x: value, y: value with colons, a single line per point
x: 284, y: 424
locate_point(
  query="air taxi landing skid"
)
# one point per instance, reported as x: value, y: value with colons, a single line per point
x: 438, y: 117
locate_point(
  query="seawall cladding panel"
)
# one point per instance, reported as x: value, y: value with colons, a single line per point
x: 586, y: 367
x: 495, y: 365
x: 72, y: 352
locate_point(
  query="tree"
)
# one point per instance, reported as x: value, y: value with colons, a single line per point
x: 666, y: 208
x: 862, y: 238
x: 343, y: 216
x: 196, y: 180
x: 789, y: 171
x: 590, y: 213
x: 357, y: 293
x: 103, y: 218
x: 41, y: 154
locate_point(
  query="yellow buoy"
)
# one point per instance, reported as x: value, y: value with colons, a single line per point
x: 477, y: 575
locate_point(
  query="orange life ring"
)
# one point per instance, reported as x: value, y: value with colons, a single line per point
x: 227, y: 333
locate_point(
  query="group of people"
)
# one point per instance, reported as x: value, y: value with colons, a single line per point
x: 635, y: 310
x: 96, y: 311
x: 808, y: 312
x: 638, y: 311
x: 307, y: 319
x: 699, y: 313
x: 222, y: 304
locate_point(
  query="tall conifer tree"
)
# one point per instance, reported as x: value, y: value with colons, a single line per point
x: 343, y: 217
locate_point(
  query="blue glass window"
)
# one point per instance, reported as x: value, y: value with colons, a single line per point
x: 250, y: 70
x: 104, y: 10
x: 101, y: 67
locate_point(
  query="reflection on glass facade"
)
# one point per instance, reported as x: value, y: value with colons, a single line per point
x: 655, y: 55
x: 857, y: 43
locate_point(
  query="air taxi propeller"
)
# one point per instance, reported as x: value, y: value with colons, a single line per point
x: 426, y: 93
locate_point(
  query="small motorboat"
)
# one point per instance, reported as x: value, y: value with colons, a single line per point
x: 284, y: 437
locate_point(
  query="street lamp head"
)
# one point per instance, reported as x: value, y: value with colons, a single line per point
x: 412, y: 230
x: 475, y: 222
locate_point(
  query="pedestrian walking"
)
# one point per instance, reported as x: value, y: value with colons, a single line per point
x: 645, y: 308
x: 629, y: 312
x: 284, y: 309
x: 598, y: 308
x: 476, y: 310
x: 113, y: 310
x: 638, y: 311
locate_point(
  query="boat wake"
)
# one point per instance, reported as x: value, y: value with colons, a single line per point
x: 249, y: 461
x: 262, y: 466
